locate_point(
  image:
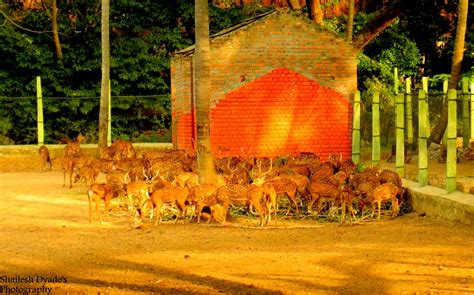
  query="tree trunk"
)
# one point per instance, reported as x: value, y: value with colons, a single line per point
x: 202, y: 88
x: 317, y: 12
x: 314, y: 11
x: 295, y: 4
x: 104, y: 85
x: 54, y: 25
x: 350, y: 21
x: 384, y: 19
x: 438, y: 131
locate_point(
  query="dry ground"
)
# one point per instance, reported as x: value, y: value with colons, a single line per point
x: 45, y: 232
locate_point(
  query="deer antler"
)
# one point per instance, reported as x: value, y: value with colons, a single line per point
x: 269, y: 170
x: 228, y: 165
x: 126, y: 176
x: 261, y: 175
x: 245, y: 154
x: 144, y: 174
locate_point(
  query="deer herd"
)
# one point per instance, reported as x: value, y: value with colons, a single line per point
x: 302, y: 183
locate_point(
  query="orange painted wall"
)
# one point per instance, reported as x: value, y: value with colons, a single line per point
x: 281, y: 113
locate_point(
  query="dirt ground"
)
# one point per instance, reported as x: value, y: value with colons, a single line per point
x: 47, y: 242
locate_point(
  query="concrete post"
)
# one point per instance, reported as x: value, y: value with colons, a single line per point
x: 39, y: 107
x: 451, y: 146
x: 375, y: 129
x: 356, y: 129
x: 422, y: 139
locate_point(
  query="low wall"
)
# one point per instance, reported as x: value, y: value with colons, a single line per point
x: 6, y: 150
x: 437, y: 203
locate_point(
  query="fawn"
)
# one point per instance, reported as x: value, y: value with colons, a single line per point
x: 45, y: 158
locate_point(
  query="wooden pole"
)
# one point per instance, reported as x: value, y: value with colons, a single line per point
x: 39, y: 107
x: 409, y: 112
x: 400, y: 134
x: 422, y: 139
x: 451, y: 146
x: 356, y: 129
x: 465, y: 112
x: 109, y: 118
x: 375, y: 129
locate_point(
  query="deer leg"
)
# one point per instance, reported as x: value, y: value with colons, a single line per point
x: 379, y: 204
x: 311, y: 202
x: 97, y: 210
x: 224, y: 212
x: 90, y: 205
x: 198, y: 210
x: 158, y: 213
x: 268, y: 208
x: 152, y: 209
x: 106, y: 206
x: 182, y: 208
x: 178, y: 215
x: 343, y: 214
x: 210, y: 215
x: 259, y: 209
x: 395, y: 206
x: 373, y: 210
x: 70, y: 176
x: 294, y: 200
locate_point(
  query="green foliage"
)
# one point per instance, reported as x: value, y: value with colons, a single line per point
x: 437, y: 80
x: 220, y: 18
x: 143, y: 34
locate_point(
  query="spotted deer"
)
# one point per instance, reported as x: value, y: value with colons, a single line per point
x: 100, y: 192
x: 46, y: 163
x: 73, y: 147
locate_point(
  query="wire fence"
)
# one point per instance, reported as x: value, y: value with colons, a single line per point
x: 140, y: 118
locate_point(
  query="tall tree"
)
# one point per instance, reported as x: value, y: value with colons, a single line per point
x: 54, y: 20
x: 456, y: 65
x: 350, y: 21
x: 385, y: 17
x: 315, y: 12
x: 294, y: 4
x: 104, y: 84
x: 53, y: 15
x: 202, y: 84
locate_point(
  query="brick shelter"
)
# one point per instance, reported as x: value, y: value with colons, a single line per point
x: 279, y: 85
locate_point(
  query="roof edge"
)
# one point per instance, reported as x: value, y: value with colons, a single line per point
x: 190, y: 49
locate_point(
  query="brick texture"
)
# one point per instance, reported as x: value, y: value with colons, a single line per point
x: 279, y: 85
x: 282, y: 112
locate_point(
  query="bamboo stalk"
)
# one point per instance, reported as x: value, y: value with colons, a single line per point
x: 451, y: 146
x: 39, y: 107
x: 422, y: 139
x: 356, y: 129
x: 375, y: 129
x: 400, y: 134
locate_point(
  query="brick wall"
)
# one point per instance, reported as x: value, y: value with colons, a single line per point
x: 320, y: 65
x: 279, y: 113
